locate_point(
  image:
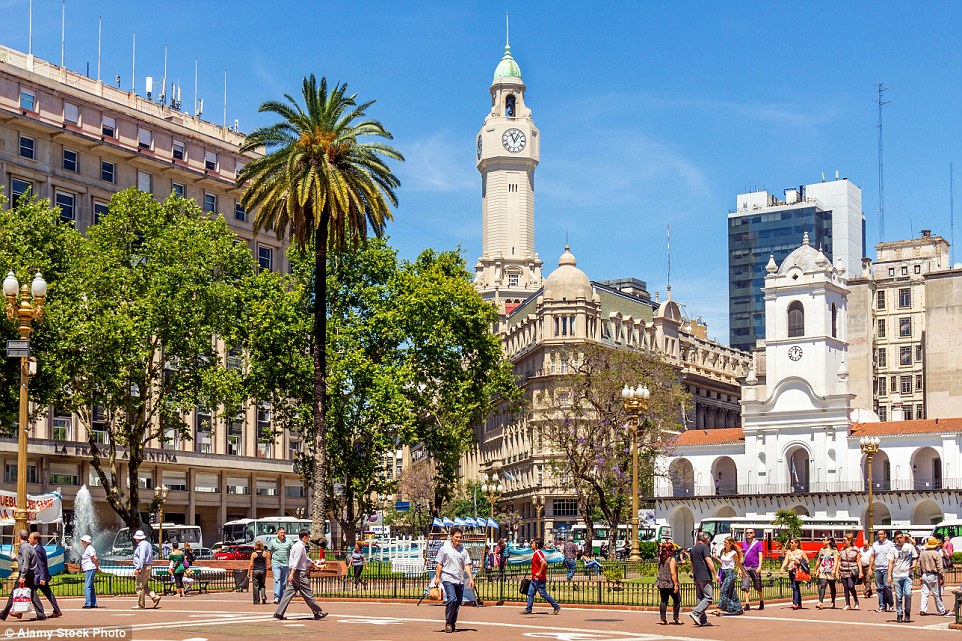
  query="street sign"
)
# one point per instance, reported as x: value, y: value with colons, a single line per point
x: 402, y: 506
x: 18, y: 349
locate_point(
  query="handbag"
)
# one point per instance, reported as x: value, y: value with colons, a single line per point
x: 525, y: 586
x: 802, y: 574
x: 22, y: 600
x: 434, y: 593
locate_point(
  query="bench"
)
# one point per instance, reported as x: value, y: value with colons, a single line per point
x: 200, y: 584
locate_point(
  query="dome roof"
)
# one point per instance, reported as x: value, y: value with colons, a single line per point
x: 806, y: 257
x: 507, y: 68
x: 567, y: 282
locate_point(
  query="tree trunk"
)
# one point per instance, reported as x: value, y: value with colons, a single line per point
x: 319, y: 506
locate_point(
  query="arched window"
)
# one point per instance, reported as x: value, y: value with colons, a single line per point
x: 509, y: 106
x: 834, y: 321
x: 796, y: 320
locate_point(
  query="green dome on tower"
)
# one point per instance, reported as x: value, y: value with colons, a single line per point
x: 507, y: 68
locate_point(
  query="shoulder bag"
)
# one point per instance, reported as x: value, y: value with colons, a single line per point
x: 525, y: 585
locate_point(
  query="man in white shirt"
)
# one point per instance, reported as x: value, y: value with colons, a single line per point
x: 143, y: 561
x: 298, y: 580
x: 453, y: 571
x: 880, y: 562
x: 90, y: 566
x: 900, y: 570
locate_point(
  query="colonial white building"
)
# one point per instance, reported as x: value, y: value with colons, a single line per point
x: 798, y: 447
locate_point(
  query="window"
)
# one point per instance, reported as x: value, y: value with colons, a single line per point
x: 796, y: 320
x: 144, y: 181
x: 565, y: 507
x: 28, y: 100
x: 881, y: 328
x: 175, y: 481
x: 265, y: 258
x: 66, y: 203
x: 238, y: 485
x: 100, y: 209
x: 905, y: 297
x: 178, y: 150
x: 882, y: 361
x: 71, y: 160
x: 905, y: 270
x: 882, y: 413
x: 265, y: 434
x: 235, y: 434
x: 108, y: 172
x: 235, y: 358
x: 62, y: 426
x: 905, y: 327
x: 882, y: 389
x: 98, y: 425
x: 178, y: 189
x: 918, y: 353
x: 19, y: 188
x: 266, y: 488
x: 513, y: 280
x: 834, y: 321
x: 294, y: 447
x: 294, y: 491
x: 145, y: 139
x: 63, y: 474
x: 892, y: 272
x: 920, y: 411
x: 905, y: 384
x: 880, y: 302
x: 10, y: 473
x: 509, y: 106
x: 203, y: 422
x: 108, y: 127
x: 905, y: 355
x: 71, y: 113
x: 145, y: 480
x: 240, y: 213
x: 26, y: 147
x: 210, y: 160
x: 907, y: 413
x: 210, y: 202
x: 894, y: 384
x: 918, y: 270
x: 918, y: 382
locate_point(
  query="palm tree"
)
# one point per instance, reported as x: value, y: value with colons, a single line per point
x: 319, y: 182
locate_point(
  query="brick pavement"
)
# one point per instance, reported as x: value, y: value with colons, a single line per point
x: 232, y: 617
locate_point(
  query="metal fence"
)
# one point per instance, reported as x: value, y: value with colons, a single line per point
x: 73, y: 584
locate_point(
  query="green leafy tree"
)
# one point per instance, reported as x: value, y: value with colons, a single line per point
x: 140, y: 311
x: 325, y: 185
x: 788, y: 525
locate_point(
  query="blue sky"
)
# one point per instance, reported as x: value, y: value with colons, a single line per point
x: 650, y: 113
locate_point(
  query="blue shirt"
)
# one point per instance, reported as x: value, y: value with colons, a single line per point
x: 143, y: 555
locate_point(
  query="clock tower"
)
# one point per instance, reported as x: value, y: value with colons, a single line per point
x: 507, y: 151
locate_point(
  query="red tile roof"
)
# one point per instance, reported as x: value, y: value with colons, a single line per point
x: 898, y: 428
x: 709, y: 437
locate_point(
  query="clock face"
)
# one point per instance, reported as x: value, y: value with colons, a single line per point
x: 514, y: 140
x: 795, y: 353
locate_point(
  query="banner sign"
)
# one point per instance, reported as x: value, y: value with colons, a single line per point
x: 43, y: 508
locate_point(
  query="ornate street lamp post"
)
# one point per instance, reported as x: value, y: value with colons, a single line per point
x: 160, y: 495
x: 636, y: 402
x: 493, y: 490
x: 538, y: 502
x: 870, y: 446
x: 30, y: 309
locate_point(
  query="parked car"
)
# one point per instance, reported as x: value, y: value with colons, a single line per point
x: 202, y: 553
x: 234, y: 553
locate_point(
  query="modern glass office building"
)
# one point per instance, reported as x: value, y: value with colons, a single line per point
x: 763, y: 226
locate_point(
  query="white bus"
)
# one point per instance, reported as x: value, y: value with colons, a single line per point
x: 246, y: 531
x: 655, y: 532
x: 172, y: 533
x: 951, y: 530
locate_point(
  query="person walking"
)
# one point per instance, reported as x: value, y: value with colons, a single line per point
x: 900, y: 568
x: 866, y: 562
x: 850, y: 571
x: 178, y: 566
x: 280, y: 554
x: 933, y: 576
x: 752, y: 555
x: 571, y: 558
x: 28, y: 572
x: 43, y: 574
x: 453, y: 570
x: 298, y: 578
x: 257, y: 571
x: 703, y: 569
x: 795, y: 561
x: 503, y: 561
x: 827, y: 567
x: 730, y: 561
x: 90, y: 565
x: 667, y: 584
x: 880, y: 563
x: 358, y: 562
x: 143, y: 562
x: 539, y: 579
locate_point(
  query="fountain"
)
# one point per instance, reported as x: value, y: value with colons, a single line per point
x: 84, y: 521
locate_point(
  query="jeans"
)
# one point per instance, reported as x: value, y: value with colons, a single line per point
x: 796, y: 589
x: 280, y: 579
x: 571, y: 564
x: 884, y: 589
x: 90, y: 597
x: 594, y: 564
x: 930, y: 584
x: 453, y: 593
x: 705, y: 594
x: 903, y: 593
x: 538, y: 586
x: 258, y: 584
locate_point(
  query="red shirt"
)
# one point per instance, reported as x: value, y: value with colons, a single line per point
x: 539, y: 572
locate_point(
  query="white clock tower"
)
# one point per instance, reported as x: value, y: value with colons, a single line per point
x: 508, y: 150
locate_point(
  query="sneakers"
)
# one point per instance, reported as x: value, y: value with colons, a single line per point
x: 319, y: 615
x: 276, y: 600
x: 695, y: 618
x: 526, y: 612
x: 449, y: 628
x: 906, y: 619
x: 557, y: 610
x: 156, y: 602
x: 898, y: 619
x: 846, y: 608
x: 280, y: 617
x: 137, y: 607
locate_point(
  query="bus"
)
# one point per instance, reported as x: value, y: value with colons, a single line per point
x: 814, y: 531
x: 951, y: 530
x: 123, y: 543
x: 246, y: 531
x: 650, y: 532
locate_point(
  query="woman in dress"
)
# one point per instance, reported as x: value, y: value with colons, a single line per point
x: 667, y: 583
x: 850, y: 558
x: 795, y: 558
x: 828, y: 566
x: 730, y: 562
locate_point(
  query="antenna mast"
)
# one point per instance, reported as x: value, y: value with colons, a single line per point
x: 881, y: 175
x: 100, y: 27
x: 669, y: 261
x: 951, y: 213
x: 63, y: 29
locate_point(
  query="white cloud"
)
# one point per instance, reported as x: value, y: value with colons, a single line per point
x: 438, y: 164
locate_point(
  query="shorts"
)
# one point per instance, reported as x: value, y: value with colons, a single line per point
x: 753, y: 577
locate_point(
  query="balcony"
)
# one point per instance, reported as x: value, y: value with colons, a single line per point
x: 847, y: 487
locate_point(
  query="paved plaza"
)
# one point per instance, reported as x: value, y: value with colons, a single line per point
x: 231, y: 617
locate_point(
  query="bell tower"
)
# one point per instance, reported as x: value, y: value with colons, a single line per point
x: 508, y: 150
